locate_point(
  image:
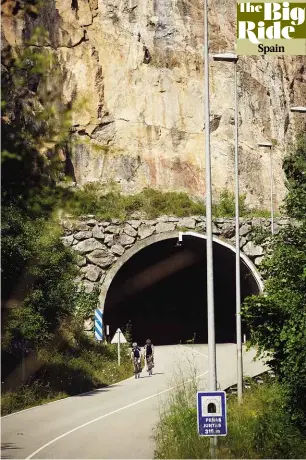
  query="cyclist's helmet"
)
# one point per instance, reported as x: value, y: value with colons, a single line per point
x: 148, y: 342
x: 134, y: 344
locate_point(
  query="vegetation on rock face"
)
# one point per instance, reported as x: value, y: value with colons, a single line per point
x: 152, y: 203
x: 277, y: 319
x: 225, y: 207
x: 258, y: 428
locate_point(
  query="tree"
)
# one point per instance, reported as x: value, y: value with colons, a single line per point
x: 39, y: 289
x: 277, y: 319
x: 295, y: 170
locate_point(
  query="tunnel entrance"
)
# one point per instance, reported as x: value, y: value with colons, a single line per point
x: 161, y: 292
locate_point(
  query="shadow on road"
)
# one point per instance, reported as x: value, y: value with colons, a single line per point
x: 156, y: 373
x: 7, y: 446
x: 94, y: 392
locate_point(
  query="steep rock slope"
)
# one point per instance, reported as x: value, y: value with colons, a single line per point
x: 133, y: 70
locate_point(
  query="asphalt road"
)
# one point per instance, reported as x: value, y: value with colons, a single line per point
x: 117, y: 421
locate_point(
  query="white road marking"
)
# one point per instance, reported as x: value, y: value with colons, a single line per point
x: 62, y: 399
x: 106, y: 415
x: 194, y: 351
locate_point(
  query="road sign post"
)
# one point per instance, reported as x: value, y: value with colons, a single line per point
x: 98, y: 324
x: 119, y: 347
x: 211, y: 408
x: 119, y: 338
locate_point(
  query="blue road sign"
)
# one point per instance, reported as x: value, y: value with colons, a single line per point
x: 211, y: 407
x: 98, y: 324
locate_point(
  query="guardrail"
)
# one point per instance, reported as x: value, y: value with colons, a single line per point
x: 251, y: 381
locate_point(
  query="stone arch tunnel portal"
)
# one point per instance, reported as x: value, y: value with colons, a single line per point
x: 161, y: 291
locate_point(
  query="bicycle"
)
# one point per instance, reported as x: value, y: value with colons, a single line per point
x: 137, y: 367
x: 150, y: 364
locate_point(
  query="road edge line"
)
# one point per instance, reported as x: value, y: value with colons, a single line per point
x: 63, y: 399
x: 107, y: 415
x: 194, y: 351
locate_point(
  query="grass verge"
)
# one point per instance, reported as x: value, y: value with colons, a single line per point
x: 259, y: 428
x: 68, y: 373
x: 93, y: 199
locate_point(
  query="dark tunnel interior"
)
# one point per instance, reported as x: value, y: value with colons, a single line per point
x: 161, y: 291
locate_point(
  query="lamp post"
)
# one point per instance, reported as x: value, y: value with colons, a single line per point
x: 269, y: 145
x: 232, y: 57
x: 209, y: 235
x: 300, y: 109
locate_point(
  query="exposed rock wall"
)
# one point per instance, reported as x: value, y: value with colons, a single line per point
x: 100, y: 244
x: 133, y: 70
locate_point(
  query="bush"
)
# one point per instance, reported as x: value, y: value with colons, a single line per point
x: 28, y: 396
x: 259, y: 428
x: 72, y: 371
x: 295, y: 169
x: 40, y: 295
x: 225, y: 207
x: 277, y: 319
x: 92, y: 199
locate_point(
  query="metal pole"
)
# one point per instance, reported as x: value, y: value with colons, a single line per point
x: 209, y: 235
x: 118, y: 348
x: 237, y: 222
x: 271, y: 192
x: 22, y: 363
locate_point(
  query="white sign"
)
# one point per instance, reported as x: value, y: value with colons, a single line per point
x: 115, y: 339
x: 211, y: 406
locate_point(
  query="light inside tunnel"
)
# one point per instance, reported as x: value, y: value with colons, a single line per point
x: 161, y: 292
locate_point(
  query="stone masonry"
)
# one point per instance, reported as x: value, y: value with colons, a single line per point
x: 100, y: 244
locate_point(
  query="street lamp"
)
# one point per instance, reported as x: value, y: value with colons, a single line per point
x: 269, y: 145
x: 209, y: 234
x: 298, y: 109
x: 232, y: 57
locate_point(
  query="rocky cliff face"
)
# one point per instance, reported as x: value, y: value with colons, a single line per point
x: 133, y: 70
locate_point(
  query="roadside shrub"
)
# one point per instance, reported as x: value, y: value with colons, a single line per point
x: 28, y: 396
x: 259, y: 428
x: 69, y: 372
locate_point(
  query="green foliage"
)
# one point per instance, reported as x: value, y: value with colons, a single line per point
x: 260, y: 235
x: 28, y: 396
x: 295, y: 169
x: 93, y: 200
x: 43, y: 269
x: 72, y: 371
x: 39, y: 290
x: 225, y: 207
x: 44, y: 309
x: 35, y: 122
x: 259, y: 428
x: 277, y: 319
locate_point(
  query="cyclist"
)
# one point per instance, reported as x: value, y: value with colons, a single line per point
x: 149, y: 355
x: 136, y: 358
